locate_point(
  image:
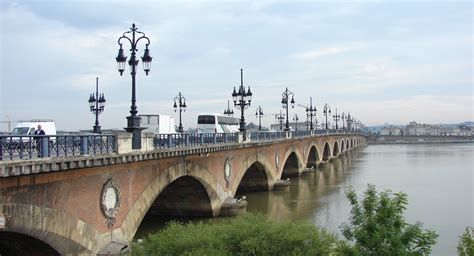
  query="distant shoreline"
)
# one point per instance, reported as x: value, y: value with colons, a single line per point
x: 419, y: 139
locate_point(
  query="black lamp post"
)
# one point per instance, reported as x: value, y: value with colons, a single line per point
x: 133, y: 121
x: 284, y: 102
x: 349, y: 122
x: 280, y: 118
x: 326, y: 112
x: 310, y: 113
x: 259, y: 114
x: 343, y: 117
x: 336, y: 118
x: 96, y: 105
x: 296, y: 119
x: 181, y: 100
x: 242, y: 100
x: 228, y: 111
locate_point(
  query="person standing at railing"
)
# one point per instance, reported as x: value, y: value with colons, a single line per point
x: 38, y: 139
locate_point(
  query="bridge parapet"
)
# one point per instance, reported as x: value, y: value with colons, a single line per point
x: 153, y: 147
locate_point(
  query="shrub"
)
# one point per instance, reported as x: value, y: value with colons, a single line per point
x: 466, y: 243
x: 246, y: 235
x: 377, y: 226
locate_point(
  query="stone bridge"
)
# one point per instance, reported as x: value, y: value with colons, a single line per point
x: 95, y: 204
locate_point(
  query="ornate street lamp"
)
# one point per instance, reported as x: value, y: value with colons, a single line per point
x: 259, y: 114
x: 343, y: 117
x: 96, y: 105
x: 181, y: 100
x: 326, y: 112
x: 349, y: 121
x: 242, y: 100
x: 336, y: 118
x: 280, y: 118
x: 284, y: 102
x: 310, y: 113
x: 228, y: 111
x: 296, y: 119
x: 133, y: 121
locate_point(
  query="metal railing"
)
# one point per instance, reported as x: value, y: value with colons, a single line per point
x: 266, y: 136
x: 192, y: 139
x: 30, y: 147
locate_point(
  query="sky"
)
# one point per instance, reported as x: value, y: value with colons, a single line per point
x: 382, y: 61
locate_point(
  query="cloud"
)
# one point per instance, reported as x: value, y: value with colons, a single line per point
x: 326, y: 51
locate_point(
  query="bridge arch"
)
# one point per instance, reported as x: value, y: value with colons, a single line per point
x: 195, y: 176
x: 326, y: 152
x: 62, y: 232
x: 292, y: 164
x: 12, y: 243
x: 313, y: 156
x: 257, y: 170
x: 335, y: 149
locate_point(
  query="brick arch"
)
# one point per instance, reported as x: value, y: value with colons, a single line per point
x: 143, y: 203
x: 310, y: 161
x: 335, y: 149
x: 299, y: 164
x: 47, y: 225
x: 326, y: 151
x: 270, y: 172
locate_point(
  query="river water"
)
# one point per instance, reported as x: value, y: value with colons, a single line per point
x: 438, y: 179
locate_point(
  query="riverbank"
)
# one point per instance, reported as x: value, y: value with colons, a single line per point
x: 375, y: 140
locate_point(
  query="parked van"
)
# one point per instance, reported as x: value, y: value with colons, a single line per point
x: 28, y: 127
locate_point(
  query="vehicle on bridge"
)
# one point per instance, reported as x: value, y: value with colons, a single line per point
x: 217, y: 123
x: 158, y: 124
x: 28, y: 127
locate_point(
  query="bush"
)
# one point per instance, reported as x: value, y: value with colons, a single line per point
x: 377, y: 226
x: 466, y: 243
x: 246, y: 235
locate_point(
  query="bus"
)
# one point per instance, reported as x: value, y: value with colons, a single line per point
x: 217, y: 123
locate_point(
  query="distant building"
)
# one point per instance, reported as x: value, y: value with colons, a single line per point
x: 391, y: 131
x: 415, y: 129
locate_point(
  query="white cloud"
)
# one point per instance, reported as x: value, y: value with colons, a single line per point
x: 325, y: 51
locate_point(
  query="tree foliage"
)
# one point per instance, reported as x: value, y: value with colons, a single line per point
x: 246, y: 235
x: 466, y: 243
x: 377, y: 226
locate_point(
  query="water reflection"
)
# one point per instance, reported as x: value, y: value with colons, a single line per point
x: 305, y: 194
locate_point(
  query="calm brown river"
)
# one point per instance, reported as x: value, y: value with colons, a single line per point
x: 438, y: 179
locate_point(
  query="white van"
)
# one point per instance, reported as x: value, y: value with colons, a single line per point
x: 28, y: 127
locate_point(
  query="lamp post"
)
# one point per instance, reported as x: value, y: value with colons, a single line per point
x: 326, y: 112
x: 284, y: 101
x: 133, y: 121
x: 336, y: 118
x: 296, y: 119
x: 310, y: 113
x: 280, y: 118
x: 181, y: 100
x: 259, y: 114
x: 242, y: 100
x: 96, y: 105
x: 343, y: 117
x: 228, y: 111
x: 349, y: 122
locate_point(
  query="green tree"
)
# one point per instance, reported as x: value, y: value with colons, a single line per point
x: 466, y: 243
x: 377, y: 226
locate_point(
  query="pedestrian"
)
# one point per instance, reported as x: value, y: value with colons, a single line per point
x: 38, y: 140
